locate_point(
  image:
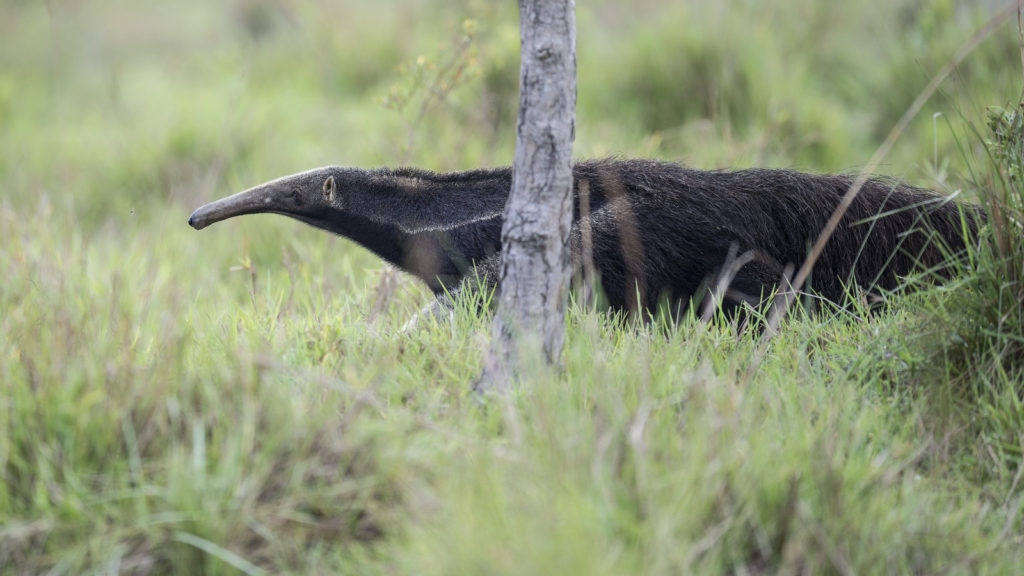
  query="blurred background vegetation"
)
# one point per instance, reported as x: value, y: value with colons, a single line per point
x: 119, y: 106
x: 236, y: 399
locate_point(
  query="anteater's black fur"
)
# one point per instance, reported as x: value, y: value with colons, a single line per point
x: 660, y: 230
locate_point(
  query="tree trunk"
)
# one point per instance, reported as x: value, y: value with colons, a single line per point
x: 536, y: 263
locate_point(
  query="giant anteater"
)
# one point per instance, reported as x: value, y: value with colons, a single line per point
x: 654, y: 231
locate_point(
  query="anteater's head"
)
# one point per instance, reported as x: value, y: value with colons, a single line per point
x: 315, y: 197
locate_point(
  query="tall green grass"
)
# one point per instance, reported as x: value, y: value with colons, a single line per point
x: 971, y: 333
x: 242, y: 399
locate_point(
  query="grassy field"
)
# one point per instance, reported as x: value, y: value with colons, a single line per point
x: 241, y: 399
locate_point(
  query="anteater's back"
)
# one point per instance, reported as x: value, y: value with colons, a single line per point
x: 682, y: 223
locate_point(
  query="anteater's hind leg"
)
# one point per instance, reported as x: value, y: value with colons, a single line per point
x: 745, y: 282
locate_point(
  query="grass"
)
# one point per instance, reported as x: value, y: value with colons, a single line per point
x: 241, y: 399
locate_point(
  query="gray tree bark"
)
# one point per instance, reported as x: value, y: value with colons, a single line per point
x: 535, y: 268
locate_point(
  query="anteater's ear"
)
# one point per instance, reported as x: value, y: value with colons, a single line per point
x: 329, y: 188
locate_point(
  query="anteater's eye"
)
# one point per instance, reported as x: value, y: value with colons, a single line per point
x: 329, y: 188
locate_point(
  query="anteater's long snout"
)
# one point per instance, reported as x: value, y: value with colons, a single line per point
x: 196, y: 220
x: 206, y: 215
x: 252, y: 201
